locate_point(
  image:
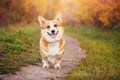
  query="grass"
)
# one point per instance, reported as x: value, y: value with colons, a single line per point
x: 103, y: 54
x: 19, y: 46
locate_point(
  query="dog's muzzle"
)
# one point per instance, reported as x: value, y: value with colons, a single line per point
x: 53, y: 35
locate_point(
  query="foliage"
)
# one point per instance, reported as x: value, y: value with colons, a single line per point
x: 103, y: 54
x: 96, y: 12
x: 99, y: 13
x: 18, y: 47
x: 20, y: 11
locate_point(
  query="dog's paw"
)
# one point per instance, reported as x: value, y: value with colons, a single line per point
x: 46, y: 66
x: 57, y: 66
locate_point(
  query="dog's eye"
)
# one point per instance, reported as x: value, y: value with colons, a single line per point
x: 48, y: 26
x: 55, y: 25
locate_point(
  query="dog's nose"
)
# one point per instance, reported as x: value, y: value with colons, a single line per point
x: 52, y: 31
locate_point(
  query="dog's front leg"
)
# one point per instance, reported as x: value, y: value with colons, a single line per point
x: 57, y: 64
x: 44, y: 59
x: 45, y: 62
x: 58, y: 60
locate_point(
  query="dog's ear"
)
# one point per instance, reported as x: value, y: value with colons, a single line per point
x: 41, y: 20
x: 59, y: 17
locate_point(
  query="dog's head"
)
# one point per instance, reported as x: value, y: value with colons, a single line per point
x: 51, y: 30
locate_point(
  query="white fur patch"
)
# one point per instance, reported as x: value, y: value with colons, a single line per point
x: 53, y: 49
x: 52, y: 59
x: 45, y: 64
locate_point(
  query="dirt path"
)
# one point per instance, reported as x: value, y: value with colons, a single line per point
x: 72, y: 58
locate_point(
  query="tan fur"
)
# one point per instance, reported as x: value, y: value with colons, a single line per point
x: 62, y: 43
x: 44, y: 47
x: 44, y: 42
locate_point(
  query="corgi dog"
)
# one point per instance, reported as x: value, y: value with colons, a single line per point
x: 51, y: 42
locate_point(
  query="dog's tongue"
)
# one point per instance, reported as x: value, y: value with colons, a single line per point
x: 53, y: 35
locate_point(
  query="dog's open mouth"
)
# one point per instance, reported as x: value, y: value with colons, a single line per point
x: 53, y: 35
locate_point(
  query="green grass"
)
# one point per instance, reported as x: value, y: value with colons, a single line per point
x: 19, y: 46
x: 103, y: 54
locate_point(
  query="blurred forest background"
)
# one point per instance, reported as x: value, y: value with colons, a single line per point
x: 95, y: 23
x: 99, y: 13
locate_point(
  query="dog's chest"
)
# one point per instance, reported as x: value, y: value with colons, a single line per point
x: 53, y: 49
